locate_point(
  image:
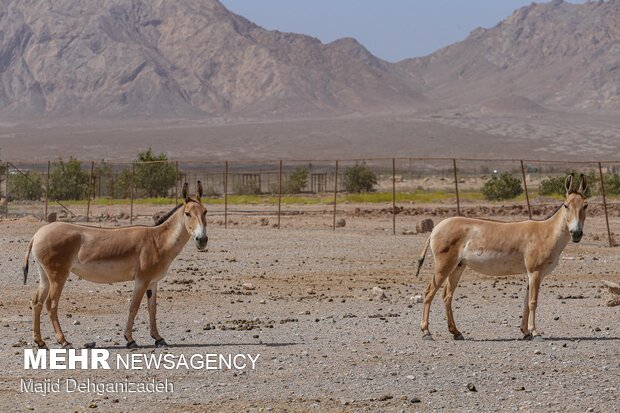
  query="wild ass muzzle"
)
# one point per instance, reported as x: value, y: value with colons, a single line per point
x: 141, y: 254
x: 502, y: 248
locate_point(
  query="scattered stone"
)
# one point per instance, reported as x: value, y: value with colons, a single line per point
x: 424, y: 226
x: 416, y: 299
x: 341, y: 223
x: 415, y: 400
x: 378, y: 293
x: 91, y: 344
x: 385, y: 397
x: 76, y: 323
x: 264, y: 222
x: 408, y: 232
x: 471, y: 387
x: 248, y: 286
x: 537, y: 351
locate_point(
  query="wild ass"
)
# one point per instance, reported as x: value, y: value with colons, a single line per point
x: 108, y: 255
x: 502, y: 248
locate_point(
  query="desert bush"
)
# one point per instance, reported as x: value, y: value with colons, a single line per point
x: 359, y: 178
x: 297, y: 180
x: 153, y: 175
x: 68, y: 180
x: 121, y: 188
x: 504, y: 186
x: 26, y: 187
x: 556, y: 185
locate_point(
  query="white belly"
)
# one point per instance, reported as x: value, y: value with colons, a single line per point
x: 104, y: 271
x: 492, y: 262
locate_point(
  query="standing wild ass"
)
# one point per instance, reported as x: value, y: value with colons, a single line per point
x: 502, y: 248
x: 107, y: 255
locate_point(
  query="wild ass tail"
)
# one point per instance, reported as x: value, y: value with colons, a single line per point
x: 27, y: 261
x: 423, y: 255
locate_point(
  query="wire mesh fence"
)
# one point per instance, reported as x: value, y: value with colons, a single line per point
x: 274, y: 193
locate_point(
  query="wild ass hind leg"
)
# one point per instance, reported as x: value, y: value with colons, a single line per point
x: 448, y: 293
x: 151, y: 295
x: 38, y: 299
x: 57, y: 281
x: 139, y: 289
x: 444, y: 266
x: 535, y: 279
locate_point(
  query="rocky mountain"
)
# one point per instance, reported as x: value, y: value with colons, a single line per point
x: 557, y: 54
x: 178, y: 58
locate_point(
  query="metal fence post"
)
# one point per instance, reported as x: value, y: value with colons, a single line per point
x: 90, y: 189
x: 226, y: 194
x: 47, y: 189
x: 133, y: 172
x: 456, y: 187
x: 393, y: 196
x: 279, y: 194
x: 335, y: 194
x: 527, y: 195
x: 6, y: 187
x: 600, y: 171
x: 176, y: 185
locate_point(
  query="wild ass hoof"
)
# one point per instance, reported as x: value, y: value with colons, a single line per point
x: 427, y: 336
x: 459, y: 337
x: 527, y: 337
x: 538, y: 337
x: 67, y: 345
x: 161, y: 343
x: 132, y: 344
x: 42, y: 346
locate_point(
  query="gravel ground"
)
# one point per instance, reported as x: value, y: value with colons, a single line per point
x: 326, y: 343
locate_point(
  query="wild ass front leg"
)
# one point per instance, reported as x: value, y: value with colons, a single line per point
x: 526, y: 312
x: 138, y: 292
x: 534, y: 286
x: 151, y: 296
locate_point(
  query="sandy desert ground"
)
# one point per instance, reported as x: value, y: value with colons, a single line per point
x: 325, y: 342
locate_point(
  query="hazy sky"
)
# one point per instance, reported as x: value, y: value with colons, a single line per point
x: 390, y: 29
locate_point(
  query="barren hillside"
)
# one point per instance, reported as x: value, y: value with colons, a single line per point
x: 186, y: 58
x: 558, y: 54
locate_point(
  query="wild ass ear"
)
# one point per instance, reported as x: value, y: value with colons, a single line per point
x: 184, y: 192
x: 569, y: 183
x: 583, y: 185
x: 199, y: 194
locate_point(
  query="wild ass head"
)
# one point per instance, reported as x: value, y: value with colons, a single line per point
x: 195, y: 217
x: 575, y: 207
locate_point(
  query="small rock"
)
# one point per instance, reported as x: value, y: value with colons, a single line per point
x: 385, y: 397
x: 378, y: 293
x: 537, y: 351
x: 341, y: 223
x: 76, y: 323
x: 91, y: 344
x: 416, y: 299
x: 264, y: 222
x: 424, y: 226
x: 415, y: 400
x: 471, y: 387
x: 248, y: 286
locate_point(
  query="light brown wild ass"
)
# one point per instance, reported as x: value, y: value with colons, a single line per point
x: 502, y: 248
x: 107, y: 255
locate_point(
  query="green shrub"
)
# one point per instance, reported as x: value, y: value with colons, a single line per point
x: 359, y: 178
x: 297, y: 180
x: 68, y: 181
x: 26, y: 187
x: 556, y: 185
x: 503, y: 187
x: 154, y: 179
x: 121, y: 188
